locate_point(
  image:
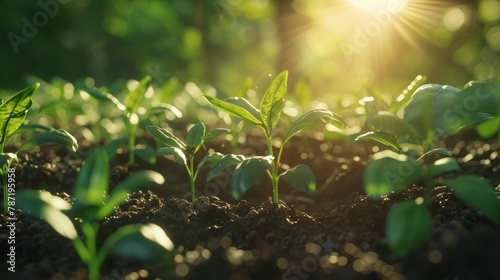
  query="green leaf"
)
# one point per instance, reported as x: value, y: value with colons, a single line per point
x: 300, y: 177
x: 245, y: 104
x: 234, y: 110
x: 162, y: 108
x: 131, y: 184
x: 59, y: 136
x: 146, y: 153
x: 382, y: 137
x: 93, y: 180
x: 247, y: 173
x: 437, y: 151
x: 211, y: 159
x: 47, y: 206
x: 147, y: 242
x: 166, y: 137
x: 135, y: 97
x: 215, y: 133
x: 442, y: 166
x: 309, y: 118
x: 13, y: 111
x: 489, y: 128
x: 477, y: 194
x: 225, y: 162
x: 390, y: 123
x: 195, y: 136
x: 390, y: 172
x: 274, y: 100
x: 6, y: 157
x: 409, y: 226
x: 178, y: 154
x: 34, y: 128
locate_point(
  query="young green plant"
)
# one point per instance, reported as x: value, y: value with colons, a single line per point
x: 90, y: 208
x: 409, y: 223
x: 184, y: 152
x: 430, y: 114
x: 249, y: 170
x: 130, y: 108
x: 12, y: 115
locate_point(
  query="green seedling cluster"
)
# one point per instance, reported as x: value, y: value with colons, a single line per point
x: 80, y: 221
x: 12, y: 115
x: 250, y: 169
x: 431, y: 113
x: 184, y: 152
x: 130, y: 108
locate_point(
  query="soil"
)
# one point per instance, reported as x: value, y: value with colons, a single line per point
x: 337, y: 233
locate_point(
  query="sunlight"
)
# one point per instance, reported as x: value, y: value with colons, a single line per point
x: 379, y: 5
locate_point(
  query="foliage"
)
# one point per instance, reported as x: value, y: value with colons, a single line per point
x: 433, y: 112
x: 129, y: 109
x: 90, y: 208
x: 409, y: 223
x: 184, y: 152
x: 12, y: 114
x: 249, y: 170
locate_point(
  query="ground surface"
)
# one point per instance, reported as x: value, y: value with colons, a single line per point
x: 338, y: 233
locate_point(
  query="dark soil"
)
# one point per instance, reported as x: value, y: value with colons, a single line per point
x: 338, y: 233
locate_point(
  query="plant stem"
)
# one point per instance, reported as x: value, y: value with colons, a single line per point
x: 192, y: 177
x: 274, y: 167
x: 131, y: 145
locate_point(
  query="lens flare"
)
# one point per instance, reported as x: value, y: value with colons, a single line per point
x: 393, y: 6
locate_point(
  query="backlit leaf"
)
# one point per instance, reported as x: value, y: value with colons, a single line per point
x: 477, y: 194
x: 135, y: 97
x: 147, y: 242
x: 195, y: 136
x: 381, y: 137
x: 59, y: 136
x: 390, y: 172
x: 247, y: 173
x: 215, y: 133
x: 273, y: 101
x: 13, y: 111
x: 48, y: 207
x: 93, y: 180
x: 309, y: 118
x: 234, y: 110
x: 178, y: 154
x: 166, y: 137
x: 442, y: 166
x: 409, y: 226
x: 300, y: 177
x: 225, y: 162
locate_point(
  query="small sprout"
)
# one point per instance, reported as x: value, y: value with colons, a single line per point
x: 12, y: 115
x: 90, y: 208
x: 130, y: 108
x: 184, y: 152
x: 249, y: 170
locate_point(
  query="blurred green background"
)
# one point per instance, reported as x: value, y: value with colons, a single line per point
x: 338, y: 47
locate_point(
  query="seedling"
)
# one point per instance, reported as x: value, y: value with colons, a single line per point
x: 249, y: 170
x: 184, y: 152
x: 409, y: 224
x: 90, y: 208
x: 132, y: 118
x: 431, y: 114
x: 12, y: 114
